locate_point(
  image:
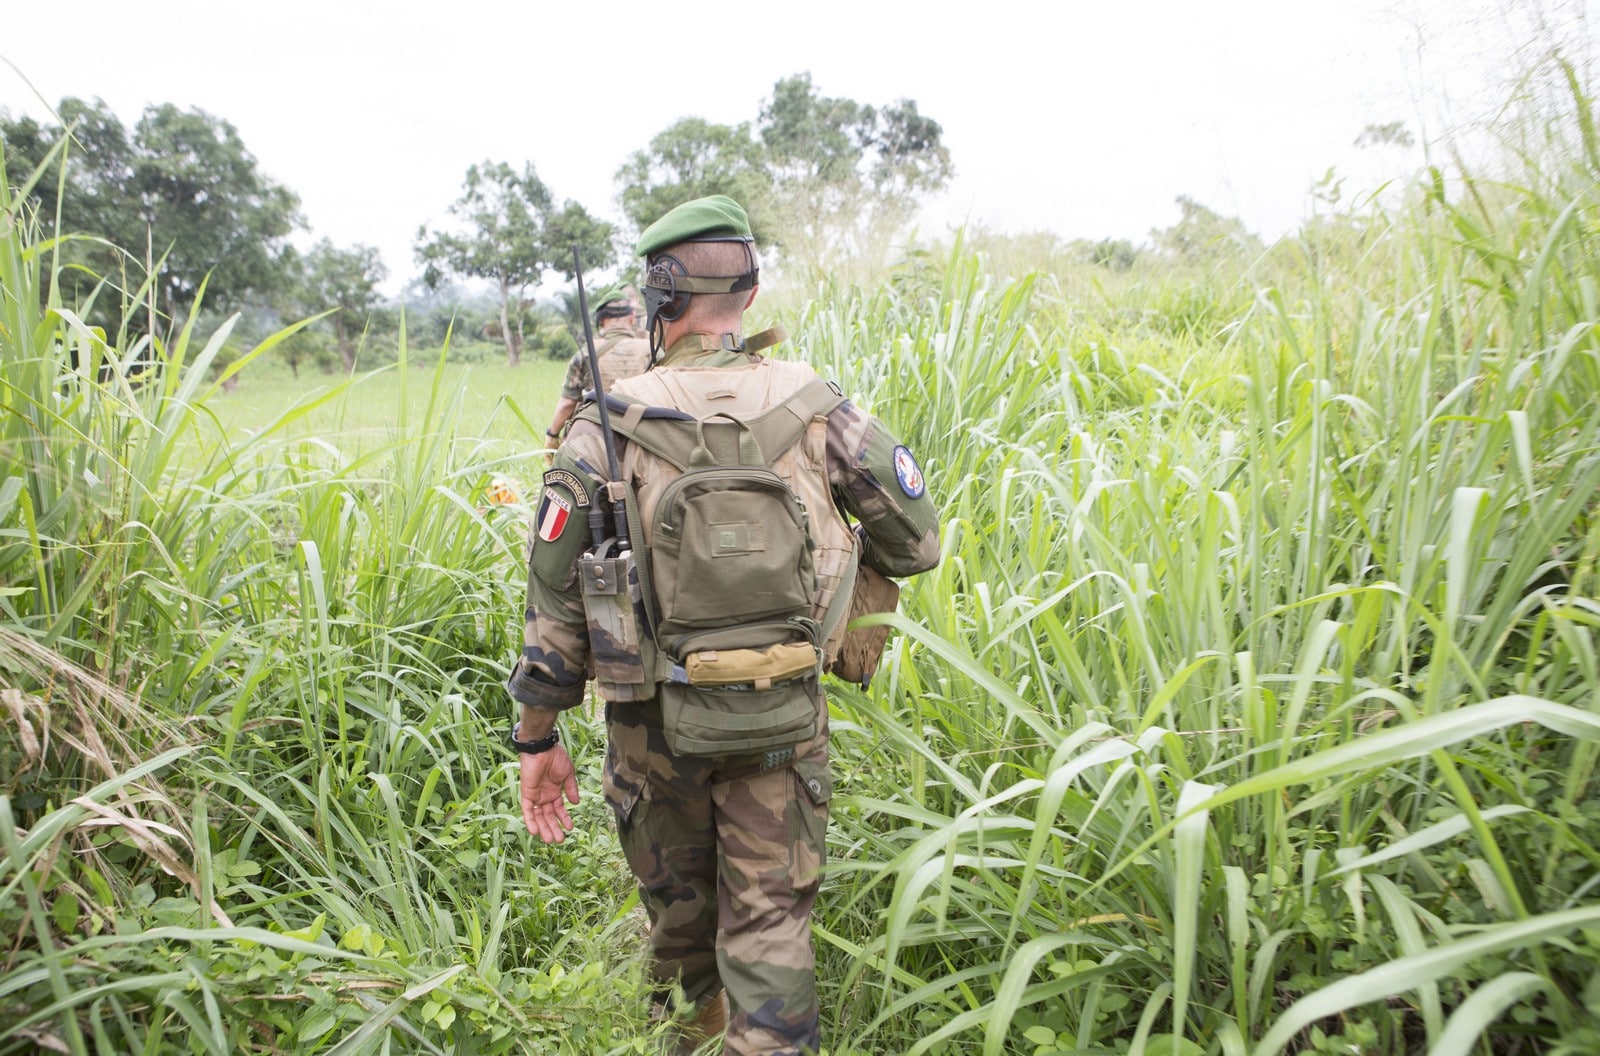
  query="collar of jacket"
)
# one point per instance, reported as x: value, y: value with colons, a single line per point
x: 704, y: 350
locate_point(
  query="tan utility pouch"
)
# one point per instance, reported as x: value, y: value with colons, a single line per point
x: 863, y: 646
x: 759, y: 668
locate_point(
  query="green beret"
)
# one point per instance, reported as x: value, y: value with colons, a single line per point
x: 606, y: 296
x: 715, y: 216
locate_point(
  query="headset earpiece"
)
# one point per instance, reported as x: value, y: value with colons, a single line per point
x: 662, y: 298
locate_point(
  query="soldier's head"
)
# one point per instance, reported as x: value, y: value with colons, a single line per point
x: 702, y: 271
x: 612, y: 306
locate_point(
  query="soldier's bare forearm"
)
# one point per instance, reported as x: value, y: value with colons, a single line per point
x: 564, y: 408
x: 537, y: 722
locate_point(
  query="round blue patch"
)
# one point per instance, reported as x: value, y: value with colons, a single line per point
x: 908, y: 473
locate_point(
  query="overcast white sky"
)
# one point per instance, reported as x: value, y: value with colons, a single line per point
x: 1082, y: 118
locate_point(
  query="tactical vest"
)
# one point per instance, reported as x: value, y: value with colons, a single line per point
x: 621, y: 355
x: 736, y: 668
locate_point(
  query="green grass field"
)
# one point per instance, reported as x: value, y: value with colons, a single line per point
x: 501, y: 401
x: 1254, y: 709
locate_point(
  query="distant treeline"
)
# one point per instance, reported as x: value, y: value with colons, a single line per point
x: 175, y: 212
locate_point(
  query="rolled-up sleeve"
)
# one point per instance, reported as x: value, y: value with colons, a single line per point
x: 550, y: 673
x: 577, y: 377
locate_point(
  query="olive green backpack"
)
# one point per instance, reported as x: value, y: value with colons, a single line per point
x: 729, y: 581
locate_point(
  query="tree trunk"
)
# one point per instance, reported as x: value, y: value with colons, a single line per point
x: 346, y: 353
x: 513, y: 347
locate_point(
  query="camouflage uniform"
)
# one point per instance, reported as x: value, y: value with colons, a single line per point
x: 729, y: 851
x: 622, y: 354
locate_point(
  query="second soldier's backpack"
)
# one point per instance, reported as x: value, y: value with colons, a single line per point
x: 729, y: 582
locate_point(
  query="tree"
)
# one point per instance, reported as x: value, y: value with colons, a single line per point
x: 342, y: 279
x: 816, y: 174
x: 182, y: 186
x: 209, y: 207
x: 308, y: 345
x: 100, y: 163
x: 844, y: 172
x: 812, y: 139
x: 1117, y: 254
x: 509, y: 231
x: 691, y: 159
x: 1202, y: 235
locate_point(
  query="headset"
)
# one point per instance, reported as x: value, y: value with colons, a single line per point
x: 668, y: 286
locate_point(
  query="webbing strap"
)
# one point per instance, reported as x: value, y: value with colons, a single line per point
x: 708, y: 283
x: 618, y: 405
x: 641, y: 564
x: 773, y: 335
x: 711, y: 447
x: 840, y: 603
x: 645, y: 426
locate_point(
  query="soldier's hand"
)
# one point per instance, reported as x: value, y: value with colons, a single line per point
x: 546, y: 778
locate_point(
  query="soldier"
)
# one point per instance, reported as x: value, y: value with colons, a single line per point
x: 728, y: 849
x: 619, y: 347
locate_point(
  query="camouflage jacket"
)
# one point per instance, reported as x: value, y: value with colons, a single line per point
x: 873, y: 478
x: 621, y: 352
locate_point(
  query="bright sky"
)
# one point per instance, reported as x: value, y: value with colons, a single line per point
x: 1082, y: 118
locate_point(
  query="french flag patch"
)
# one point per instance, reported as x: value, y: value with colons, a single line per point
x: 554, y: 512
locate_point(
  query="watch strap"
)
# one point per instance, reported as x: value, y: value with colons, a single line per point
x: 543, y: 744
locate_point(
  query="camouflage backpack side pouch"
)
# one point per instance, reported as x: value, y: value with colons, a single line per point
x: 863, y: 646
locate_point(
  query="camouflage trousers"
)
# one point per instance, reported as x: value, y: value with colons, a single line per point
x: 728, y: 854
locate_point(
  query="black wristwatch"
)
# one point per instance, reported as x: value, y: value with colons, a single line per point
x: 543, y: 744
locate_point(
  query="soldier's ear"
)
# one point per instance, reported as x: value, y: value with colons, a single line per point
x: 748, y: 301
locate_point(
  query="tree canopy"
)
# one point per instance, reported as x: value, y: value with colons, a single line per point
x: 813, y: 171
x: 1203, y: 235
x: 508, y: 230
x: 692, y: 158
x: 181, y: 185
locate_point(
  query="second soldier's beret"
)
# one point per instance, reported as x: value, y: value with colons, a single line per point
x: 608, y: 295
x: 715, y: 216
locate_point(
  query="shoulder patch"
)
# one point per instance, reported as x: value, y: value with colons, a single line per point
x: 555, y: 510
x: 908, y: 473
x: 565, y: 478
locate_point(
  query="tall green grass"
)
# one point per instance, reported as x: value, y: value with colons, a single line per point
x: 252, y: 790
x: 1255, y: 705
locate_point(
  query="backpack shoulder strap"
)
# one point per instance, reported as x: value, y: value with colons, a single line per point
x: 659, y: 430
x: 780, y: 428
